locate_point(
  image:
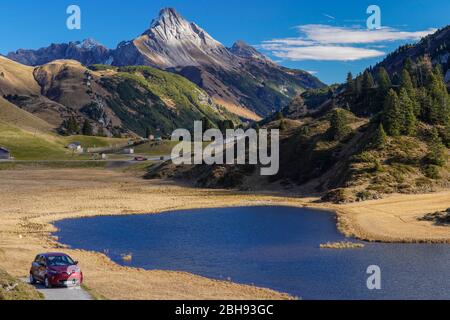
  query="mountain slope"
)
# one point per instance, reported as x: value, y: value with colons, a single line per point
x: 436, y: 46
x: 16, y: 78
x: 12, y: 114
x: 173, y: 42
x: 238, y: 78
x: 131, y: 100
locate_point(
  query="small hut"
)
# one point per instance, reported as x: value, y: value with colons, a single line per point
x: 5, y: 154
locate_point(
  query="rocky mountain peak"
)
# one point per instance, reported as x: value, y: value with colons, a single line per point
x: 169, y: 17
x: 244, y: 50
x: 172, y: 28
x: 88, y: 44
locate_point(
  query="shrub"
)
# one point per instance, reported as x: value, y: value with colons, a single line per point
x: 364, y: 157
x: 367, y: 195
x: 432, y: 171
x: 338, y: 196
x: 339, y: 127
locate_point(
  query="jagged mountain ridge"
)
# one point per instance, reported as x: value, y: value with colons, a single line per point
x: 87, y: 52
x: 239, y: 78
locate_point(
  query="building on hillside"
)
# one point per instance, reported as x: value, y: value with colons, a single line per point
x: 75, y: 146
x: 5, y: 154
x: 128, y: 151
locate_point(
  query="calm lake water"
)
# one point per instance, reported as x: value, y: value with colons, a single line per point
x: 273, y: 247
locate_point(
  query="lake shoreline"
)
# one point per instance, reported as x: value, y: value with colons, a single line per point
x: 41, y: 197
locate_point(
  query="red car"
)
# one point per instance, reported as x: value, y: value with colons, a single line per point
x: 55, y: 270
x: 140, y: 159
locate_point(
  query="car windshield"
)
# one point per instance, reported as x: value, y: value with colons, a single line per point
x: 57, y: 261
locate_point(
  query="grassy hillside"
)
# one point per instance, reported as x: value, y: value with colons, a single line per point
x: 165, y: 148
x: 113, y: 101
x: 337, y: 155
x: 16, y: 78
x: 147, y: 98
x: 25, y: 145
x: 31, y: 138
x: 93, y: 142
x: 12, y: 114
x: 14, y: 289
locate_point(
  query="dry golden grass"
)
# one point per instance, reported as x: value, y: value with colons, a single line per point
x: 32, y: 199
x: 237, y: 110
x: 16, y: 78
x: 13, y: 115
x: 395, y: 218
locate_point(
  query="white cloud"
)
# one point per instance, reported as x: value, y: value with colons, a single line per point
x: 326, y: 34
x: 286, y: 41
x: 326, y: 53
x: 331, y: 43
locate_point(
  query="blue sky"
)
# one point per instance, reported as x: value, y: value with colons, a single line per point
x: 331, y: 33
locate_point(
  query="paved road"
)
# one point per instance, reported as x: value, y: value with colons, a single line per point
x: 62, y: 293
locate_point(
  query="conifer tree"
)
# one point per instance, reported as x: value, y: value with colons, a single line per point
x: 424, y: 68
x: 392, y: 116
x: 409, y: 65
x: 282, y: 125
x: 395, y: 79
x: 72, y: 126
x: 367, y: 85
x: 380, y: 138
x: 408, y: 118
x: 350, y: 84
x: 437, y: 154
x: 407, y: 84
x: 425, y: 101
x: 101, y: 132
x: 87, y: 128
x: 367, y: 81
x: 339, y: 128
x: 358, y: 86
x: 279, y: 115
x: 439, y: 112
x: 384, y: 82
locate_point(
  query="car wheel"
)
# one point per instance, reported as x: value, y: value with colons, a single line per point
x: 47, y: 283
x: 32, y: 279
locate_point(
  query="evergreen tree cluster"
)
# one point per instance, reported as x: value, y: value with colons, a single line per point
x: 339, y: 128
x: 70, y: 126
x: 419, y: 93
